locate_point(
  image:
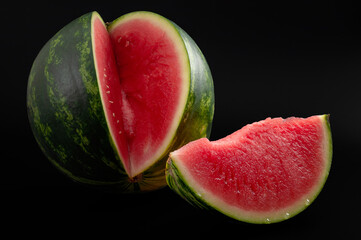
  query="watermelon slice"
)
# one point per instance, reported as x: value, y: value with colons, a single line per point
x: 108, y: 102
x: 153, y: 71
x: 265, y: 172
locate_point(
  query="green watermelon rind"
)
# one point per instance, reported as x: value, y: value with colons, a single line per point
x: 186, y: 187
x: 83, y: 150
x: 61, y: 132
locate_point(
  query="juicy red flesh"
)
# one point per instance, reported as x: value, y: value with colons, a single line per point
x: 110, y: 87
x: 141, y: 83
x: 150, y: 80
x: 262, y: 167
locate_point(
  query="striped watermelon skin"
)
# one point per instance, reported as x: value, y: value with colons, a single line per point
x: 68, y: 121
x: 64, y: 107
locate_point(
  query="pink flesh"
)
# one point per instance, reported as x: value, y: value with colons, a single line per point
x: 264, y: 166
x: 150, y: 80
x: 110, y: 88
x: 141, y: 86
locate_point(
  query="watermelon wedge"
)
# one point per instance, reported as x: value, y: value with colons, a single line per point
x: 266, y: 172
x: 107, y: 103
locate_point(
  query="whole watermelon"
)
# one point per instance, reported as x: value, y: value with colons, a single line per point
x: 108, y: 103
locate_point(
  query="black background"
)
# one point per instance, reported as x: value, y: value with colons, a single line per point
x: 267, y: 60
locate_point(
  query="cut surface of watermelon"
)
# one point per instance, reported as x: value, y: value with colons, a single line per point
x: 143, y: 73
x: 266, y: 172
x: 109, y: 87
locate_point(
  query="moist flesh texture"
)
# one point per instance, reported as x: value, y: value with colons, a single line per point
x: 108, y: 80
x: 140, y: 80
x: 264, y: 167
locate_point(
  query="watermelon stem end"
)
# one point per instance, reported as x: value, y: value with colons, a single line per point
x: 136, y: 179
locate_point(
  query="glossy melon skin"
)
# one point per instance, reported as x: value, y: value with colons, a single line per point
x: 67, y: 116
x: 186, y: 181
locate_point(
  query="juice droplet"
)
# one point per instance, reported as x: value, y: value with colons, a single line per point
x: 307, y: 202
x: 268, y: 220
x: 287, y: 215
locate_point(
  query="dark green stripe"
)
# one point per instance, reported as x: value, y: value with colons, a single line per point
x: 65, y: 110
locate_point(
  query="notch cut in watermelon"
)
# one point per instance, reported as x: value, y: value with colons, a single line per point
x: 265, y: 172
x: 143, y: 73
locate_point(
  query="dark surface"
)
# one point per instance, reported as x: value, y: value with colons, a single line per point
x: 267, y: 61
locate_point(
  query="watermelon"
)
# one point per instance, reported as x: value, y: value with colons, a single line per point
x: 266, y: 172
x: 107, y: 103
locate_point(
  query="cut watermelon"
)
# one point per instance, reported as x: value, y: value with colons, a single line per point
x: 153, y: 68
x: 266, y: 172
x: 108, y: 103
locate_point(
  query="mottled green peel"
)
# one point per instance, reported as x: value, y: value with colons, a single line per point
x: 62, y: 93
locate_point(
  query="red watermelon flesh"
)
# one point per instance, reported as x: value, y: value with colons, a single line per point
x: 142, y: 74
x: 265, y: 172
x: 109, y: 86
